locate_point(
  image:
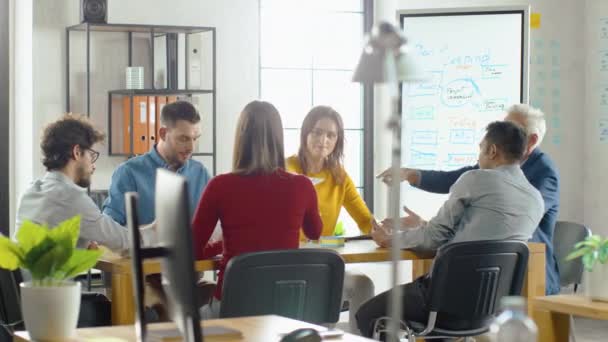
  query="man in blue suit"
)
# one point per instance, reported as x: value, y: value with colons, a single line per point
x: 538, y: 169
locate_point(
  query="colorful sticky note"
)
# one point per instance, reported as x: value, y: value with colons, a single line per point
x: 535, y: 20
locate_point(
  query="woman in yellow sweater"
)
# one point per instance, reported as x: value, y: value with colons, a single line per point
x: 320, y: 157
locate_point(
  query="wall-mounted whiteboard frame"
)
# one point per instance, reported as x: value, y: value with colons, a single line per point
x: 524, y: 10
x: 432, y: 153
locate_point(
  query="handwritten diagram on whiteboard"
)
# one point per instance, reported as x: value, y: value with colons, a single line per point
x: 473, y: 66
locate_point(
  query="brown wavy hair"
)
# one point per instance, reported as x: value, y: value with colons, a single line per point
x: 60, y: 137
x: 258, y: 142
x: 335, y: 161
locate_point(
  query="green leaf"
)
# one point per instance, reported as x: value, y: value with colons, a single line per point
x: 68, y: 229
x: 30, y: 235
x: 339, y: 229
x: 10, y: 254
x: 588, y: 243
x: 603, y: 252
x: 589, y: 260
x: 49, y: 256
x: 80, y: 261
x: 578, y: 253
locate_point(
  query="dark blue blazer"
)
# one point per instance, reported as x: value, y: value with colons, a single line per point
x: 542, y: 174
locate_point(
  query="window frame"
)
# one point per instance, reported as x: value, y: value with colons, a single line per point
x: 367, y: 103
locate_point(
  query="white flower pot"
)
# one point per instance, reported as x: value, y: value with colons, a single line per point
x: 50, y: 312
x: 596, y: 282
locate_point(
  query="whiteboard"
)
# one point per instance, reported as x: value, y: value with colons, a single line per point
x: 475, y: 62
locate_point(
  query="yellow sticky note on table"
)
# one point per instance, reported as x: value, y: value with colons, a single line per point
x: 535, y: 20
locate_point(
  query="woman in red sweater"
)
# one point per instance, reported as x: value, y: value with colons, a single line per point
x: 260, y: 205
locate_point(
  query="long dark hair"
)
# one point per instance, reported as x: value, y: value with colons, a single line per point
x: 258, y: 142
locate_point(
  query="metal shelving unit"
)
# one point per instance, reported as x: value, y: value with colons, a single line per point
x: 153, y: 31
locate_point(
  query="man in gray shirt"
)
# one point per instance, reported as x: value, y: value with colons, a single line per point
x: 68, y: 154
x: 495, y: 202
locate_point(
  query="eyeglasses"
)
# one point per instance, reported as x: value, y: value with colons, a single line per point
x: 94, y: 155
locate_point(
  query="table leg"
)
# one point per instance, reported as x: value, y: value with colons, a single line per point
x: 552, y: 326
x: 123, y: 305
x: 421, y: 267
x: 534, y: 284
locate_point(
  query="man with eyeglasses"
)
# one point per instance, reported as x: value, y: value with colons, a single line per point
x: 178, y: 134
x: 69, y: 157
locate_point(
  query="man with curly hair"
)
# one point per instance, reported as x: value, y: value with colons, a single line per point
x: 69, y: 157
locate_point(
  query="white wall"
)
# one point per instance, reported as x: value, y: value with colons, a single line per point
x: 237, y: 68
x: 22, y: 131
x: 594, y: 173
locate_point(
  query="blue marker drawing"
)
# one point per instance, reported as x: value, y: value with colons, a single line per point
x: 482, y: 58
x: 495, y: 71
x: 556, y: 139
x: 429, y: 88
x: 541, y: 75
x: 604, y: 28
x: 603, y: 130
x: 461, y: 159
x: 462, y: 136
x: 422, y: 159
x: 422, y: 113
x: 423, y: 51
x: 537, y: 103
x: 424, y: 137
x: 493, y: 105
x: 540, y: 59
x: 459, y: 92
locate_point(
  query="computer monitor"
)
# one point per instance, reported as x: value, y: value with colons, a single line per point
x: 174, y: 232
x: 136, y: 262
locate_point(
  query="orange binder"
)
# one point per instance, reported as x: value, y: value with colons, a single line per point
x: 161, y: 101
x: 151, y: 121
x: 140, y: 124
x: 171, y: 98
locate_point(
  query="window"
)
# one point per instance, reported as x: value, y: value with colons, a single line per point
x: 308, y: 52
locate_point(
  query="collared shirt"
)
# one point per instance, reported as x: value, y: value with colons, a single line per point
x: 56, y: 198
x: 139, y: 175
x: 485, y: 204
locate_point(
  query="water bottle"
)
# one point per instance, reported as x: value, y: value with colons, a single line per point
x: 513, y: 325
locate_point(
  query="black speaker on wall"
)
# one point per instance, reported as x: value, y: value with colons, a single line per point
x: 94, y: 11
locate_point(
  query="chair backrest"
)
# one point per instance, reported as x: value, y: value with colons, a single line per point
x: 566, y: 235
x: 10, y: 300
x: 469, y: 278
x: 304, y: 284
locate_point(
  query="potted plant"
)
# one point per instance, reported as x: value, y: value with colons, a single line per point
x: 594, y: 253
x: 50, y: 302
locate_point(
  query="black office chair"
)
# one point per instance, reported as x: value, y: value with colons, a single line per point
x: 304, y: 284
x: 10, y: 304
x: 467, y: 281
x: 566, y: 235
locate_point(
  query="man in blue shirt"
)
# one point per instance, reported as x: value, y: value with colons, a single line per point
x: 178, y: 134
x: 538, y: 169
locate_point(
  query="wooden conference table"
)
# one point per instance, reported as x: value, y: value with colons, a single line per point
x: 123, y: 307
x: 254, y: 328
x: 552, y: 314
